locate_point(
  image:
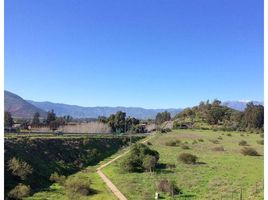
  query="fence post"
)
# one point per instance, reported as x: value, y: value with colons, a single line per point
x: 241, y: 194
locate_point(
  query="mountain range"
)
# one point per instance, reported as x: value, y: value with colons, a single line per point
x: 21, y: 108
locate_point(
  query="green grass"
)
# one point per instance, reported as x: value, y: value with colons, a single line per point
x: 221, y: 174
x: 57, y: 192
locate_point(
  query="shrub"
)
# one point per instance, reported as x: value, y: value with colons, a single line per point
x: 20, y: 191
x: 19, y: 168
x: 149, y: 163
x: 247, y: 151
x: 243, y: 143
x: 229, y: 134
x: 185, y: 146
x: 214, y: 141
x: 188, y: 158
x: 149, y: 143
x: 219, y: 138
x: 167, y: 186
x: 55, y: 177
x: 262, y: 135
x: 200, y: 140
x: 76, y: 186
x: 218, y: 148
x: 134, y: 161
x: 261, y: 142
x: 194, y: 142
x: 242, y: 135
x: 171, y: 143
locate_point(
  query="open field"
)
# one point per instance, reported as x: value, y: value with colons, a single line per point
x: 219, y: 174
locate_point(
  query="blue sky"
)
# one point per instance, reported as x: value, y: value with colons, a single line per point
x: 147, y: 53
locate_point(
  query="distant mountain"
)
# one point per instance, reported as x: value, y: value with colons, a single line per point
x: 93, y: 112
x: 240, y: 105
x: 19, y: 108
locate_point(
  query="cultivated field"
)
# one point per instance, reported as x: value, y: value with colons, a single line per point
x: 217, y: 175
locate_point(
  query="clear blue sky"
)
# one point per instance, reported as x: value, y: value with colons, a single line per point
x: 148, y: 53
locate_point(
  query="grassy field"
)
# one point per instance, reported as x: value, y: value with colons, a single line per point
x: 219, y: 174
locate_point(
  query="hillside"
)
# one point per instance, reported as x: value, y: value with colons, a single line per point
x: 93, y: 112
x: 19, y: 108
x: 239, y: 105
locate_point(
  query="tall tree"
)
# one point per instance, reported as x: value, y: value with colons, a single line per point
x: 36, y: 120
x: 162, y: 117
x: 51, y: 116
x: 8, y: 120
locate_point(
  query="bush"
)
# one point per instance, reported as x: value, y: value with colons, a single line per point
x: 247, y: 151
x: 149, y: 143
x: 19, y: 192
x: 19, y: 168
x: 171, y: 143
x: 242, y: 135
x: 261, y: 142
x: 187, y: 158
x: 218, y: 148
x: 194, y: 142
x: 262, y: 135
x: 214, y: 141
x: 55, y: 177
x: 76, y: 186
x: 219, y: 138
x: 185, y: 146
x: 229, y: 134
x: 135, y: 160
x: 243, y: 143
x: 167, y: 186
x: 149, y: 163
x: 200, y: 140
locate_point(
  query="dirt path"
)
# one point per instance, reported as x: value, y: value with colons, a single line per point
x: 108, y: 182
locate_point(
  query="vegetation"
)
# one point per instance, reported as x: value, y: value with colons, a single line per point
x: 217, y: 174
x: 19, y: 168
x: 62, y: 155
x: 76, y: 186
x: 247, y: 151
x: 214, y: 116
x: 243, y: 143
x: 162, y: 117
x: 19, y: 192
x: 8, y: 120
x: 168, y: 186
x: 140, y: 158
x: 187, y: 158
x: 55, y: 177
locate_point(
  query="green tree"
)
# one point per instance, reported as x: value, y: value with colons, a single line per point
x: 19, y: 168
x: 254, y: 116
x: 51, y: 116
x: 149, y: 163
x: 8, y: 120
x: 162, y: 117
x: 36, y: 120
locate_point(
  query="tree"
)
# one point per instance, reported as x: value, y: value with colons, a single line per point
x: 162, y: 117
x: 254, y: 116
x: 36, y: 120
x: 8, y: 120
x: 51, y: 116
x: 20, y: 191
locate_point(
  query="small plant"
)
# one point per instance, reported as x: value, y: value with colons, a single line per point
x: 194, y: 142
x: 55, y: 177
x: 149, y: 143
x: 76, y: 187
x: 200, y: 140
x: 171, y: 143
x: 188, y: 158
x: 20, y: 191
x: 219, y: 138
x: 183, y: 146
x: 261, y: 142
x: 242, y: 135
x: 218, y: 148
x: 247, y: 151
x: 168, y: 186
x: 243, y: 143
x: 214, y: 141
x: 229, y: 134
